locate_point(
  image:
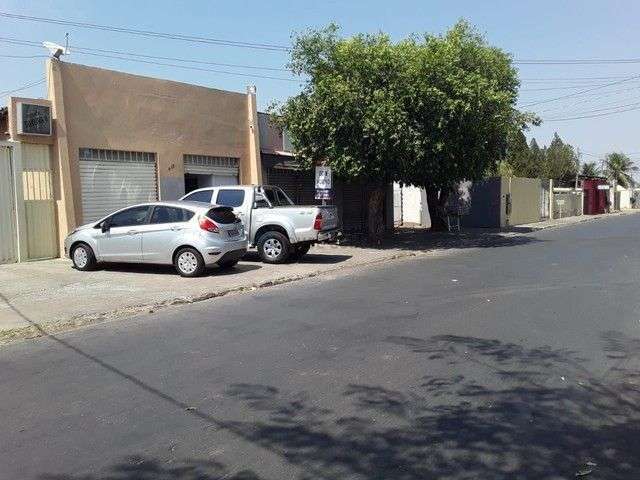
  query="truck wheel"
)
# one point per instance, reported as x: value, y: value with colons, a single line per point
x: 274, y: 247
x: 300, y: 250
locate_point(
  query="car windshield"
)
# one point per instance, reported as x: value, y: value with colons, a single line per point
x: 277, y: 197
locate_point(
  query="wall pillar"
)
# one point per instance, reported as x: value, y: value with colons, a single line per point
x: 252, y: 173
x: 63, y: 190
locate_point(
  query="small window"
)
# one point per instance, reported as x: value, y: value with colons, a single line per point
x: 129, y: 217
x: 261, y: 202
x: 230, y: 198
x: 277, y: 197
x: 170, y: 215
x: 199, y: 196
x: 222, y: 215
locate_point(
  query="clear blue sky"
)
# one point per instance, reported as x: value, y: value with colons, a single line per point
x: 529, y: 30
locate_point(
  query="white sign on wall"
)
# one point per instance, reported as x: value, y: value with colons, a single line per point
x: 323, y: 178
x: 603, y: 187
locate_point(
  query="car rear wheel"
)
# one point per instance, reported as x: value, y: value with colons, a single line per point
x: 189, y: 262
x: 82, y: 257
x: 274, y: 247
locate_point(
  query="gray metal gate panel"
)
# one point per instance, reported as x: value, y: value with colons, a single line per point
x: 8, y: 225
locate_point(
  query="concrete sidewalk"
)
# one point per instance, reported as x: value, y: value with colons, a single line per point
x: 560, y: 222
x: 51, y: 294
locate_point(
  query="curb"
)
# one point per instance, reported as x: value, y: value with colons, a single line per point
x: 78, y: 321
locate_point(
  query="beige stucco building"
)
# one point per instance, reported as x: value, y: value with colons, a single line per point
x: 115, y: 139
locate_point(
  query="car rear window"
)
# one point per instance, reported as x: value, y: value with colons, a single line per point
x: 222, y: 215
x: 230, y: 198
x: 200, y: 196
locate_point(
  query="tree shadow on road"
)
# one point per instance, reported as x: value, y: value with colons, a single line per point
x: 501, y: 411
x: 423, y: 239
x: 504, y: 412
x: 143, y: 468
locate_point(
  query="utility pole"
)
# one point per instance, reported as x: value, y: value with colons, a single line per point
x: 577, y: 167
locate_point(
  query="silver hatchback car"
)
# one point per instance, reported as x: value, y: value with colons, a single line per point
x: 190, y: 235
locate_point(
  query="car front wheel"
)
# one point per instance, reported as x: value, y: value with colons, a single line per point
x: 82, y: 257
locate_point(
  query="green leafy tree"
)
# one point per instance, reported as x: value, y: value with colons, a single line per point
x: 560, y: 160
x: 619, y: 169
x: 429, y: 111
x: 537, y: 160
x: 590, y: 169
x: 519, y: 155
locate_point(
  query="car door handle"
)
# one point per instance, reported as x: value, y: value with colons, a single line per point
x: 175, y: 229
x: 132, y: 232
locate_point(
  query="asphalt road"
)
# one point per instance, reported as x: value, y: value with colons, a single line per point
x: 519, y: 360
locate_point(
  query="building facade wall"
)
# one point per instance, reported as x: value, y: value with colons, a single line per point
x: 103, y: 109
x: 524, y: 197
x: 111, y: 110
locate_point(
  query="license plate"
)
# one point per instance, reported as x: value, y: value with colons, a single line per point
x: 233, y: 233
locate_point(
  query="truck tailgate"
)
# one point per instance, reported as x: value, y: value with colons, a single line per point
x: 330, y: 219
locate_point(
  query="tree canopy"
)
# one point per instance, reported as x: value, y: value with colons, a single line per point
x: 558, y: 161
x: 619, y: 168
x: 590, y: 169
x: 428, y: 110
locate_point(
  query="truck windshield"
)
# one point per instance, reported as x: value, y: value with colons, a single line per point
x: 277, y: 197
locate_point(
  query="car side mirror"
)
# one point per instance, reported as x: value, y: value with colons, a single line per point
x: 105, y: 227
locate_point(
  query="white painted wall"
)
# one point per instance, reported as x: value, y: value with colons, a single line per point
x: 625, y: 197
x: 410, y: 206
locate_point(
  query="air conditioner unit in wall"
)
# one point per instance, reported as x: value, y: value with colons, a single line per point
x: 34, y: 119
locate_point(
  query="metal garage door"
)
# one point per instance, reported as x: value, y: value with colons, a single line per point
x: 114, y: 179
x: 8, y: 230
x: 221, y: 170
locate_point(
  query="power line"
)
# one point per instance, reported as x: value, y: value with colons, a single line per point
x: 78, y: 49
x: 594, y: 61
x: 550, y: 88
x: 592, y: 116
x: 569, y: 95
x: 589, y: 100
x: 177, y: 59
x: 188, y: 67
x: 555, y: 79
x: 23, y: 56
x: 615, y: 107
x: 24, y: 87
x: 149, y: 33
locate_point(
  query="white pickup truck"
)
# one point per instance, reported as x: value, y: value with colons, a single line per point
x: 278, y: 228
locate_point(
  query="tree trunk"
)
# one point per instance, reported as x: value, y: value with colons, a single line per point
x: 435, y: 204
x: 375, y: 216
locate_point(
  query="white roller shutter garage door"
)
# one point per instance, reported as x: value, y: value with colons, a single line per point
x: 114, y: 179
x: 212, y: 171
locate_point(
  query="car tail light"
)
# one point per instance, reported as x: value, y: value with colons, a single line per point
x: 208, y: 225
x: 317, y: 224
